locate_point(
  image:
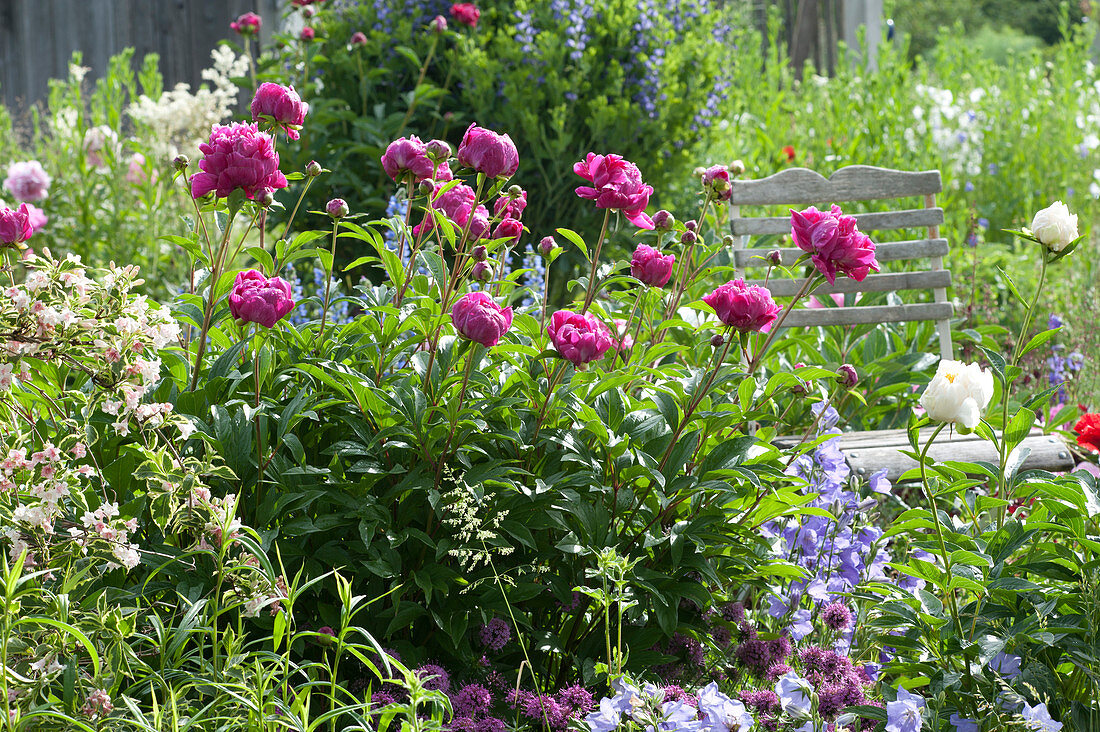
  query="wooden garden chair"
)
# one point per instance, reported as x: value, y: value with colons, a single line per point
x: 868, y: 452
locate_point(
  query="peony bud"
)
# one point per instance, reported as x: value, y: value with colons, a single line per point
x: 717, y: 340
x: 691, y: 225
x: 279, y: 106
x: 438, y: 150
x: 439, y: 24
x: 180, y: 162
x: 578, y: 338
x: 728, y: 240
x: 485, y: 151
x: 688, y: 237
x: 482, y: 272
x: 699, y: 171
x: 265, y: 197
x: 477, y: 316
x: 337, y: 208
x: 480, y: 253
x: 1055, y: 227
x: 426, y: 186
x: 313, y: 169
x: 258, y: 299
x: 547, y: 245
x: 307, y: 34
x: 663, y: 220
x: 775, y: 257
x: 358, y: 38
x: 737, y: 167
x: 848, y: 375
x: 650, y: 266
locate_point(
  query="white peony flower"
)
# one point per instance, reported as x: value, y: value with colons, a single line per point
x: 958, y: 393
x: 1055, y: 226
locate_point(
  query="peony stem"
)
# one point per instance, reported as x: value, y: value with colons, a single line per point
x: 630, y: 318
x: 590, y: 294
x: 759, y: 357
x: 215, y: 275
x: 328, y: 278
x: 696, y: 400
x: 294, y: 211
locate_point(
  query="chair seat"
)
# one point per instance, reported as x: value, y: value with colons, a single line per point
x: 869, y: 452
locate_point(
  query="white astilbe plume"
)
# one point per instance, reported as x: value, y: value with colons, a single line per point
x: 475, y: 534
x: 180, y: 119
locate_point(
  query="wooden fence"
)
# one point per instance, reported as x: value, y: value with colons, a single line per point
x: 38, y: 37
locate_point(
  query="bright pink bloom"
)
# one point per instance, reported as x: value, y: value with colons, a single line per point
x: 247, y: 24
x: 36, y: 217
x: 15, y: 225
x: 835, y: 244
x: 27, y: 181
x: 407, y: 155
x: 651, y: 267
x: 238, y: 155
x: 457, y: 203
x: 508, y: 207
x: 258, y: 299
x: 479, y: 227
x: 283, y: 105
x: 743, y: 307
x: 616, y: 184
x: 466, y: 13
x: 623, y: 340
x: 478, y: 317
x: 716, y: 180
x: 510, y: 229
x: 578, y: 338
x: 487, y: 152
x: 307, y: 34
x: 443, y: 173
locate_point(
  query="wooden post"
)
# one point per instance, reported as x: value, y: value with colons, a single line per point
x: 869, y: 15
x: 804, y: 35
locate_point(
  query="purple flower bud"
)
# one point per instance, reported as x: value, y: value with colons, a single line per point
x: 265, y: 197
x: 407, y: 156
x: 717, y: 340
x: 775, y: 257
x: 485, y: 151
x: 337, y: 208
x: 258, y: 299
x: 848, y: 375
x: 358, y: 38
x: 439, y: 24
x: 691, y: 225
x: 313, y: 169
x: 663, y: 220
x: 480, y: 253
x: 547, y: 245
x: 180, y: 162
x: 688, y: 237
x: 438, y: 150
x: 481, y: 272
x: 651, y: 267
x: 478, y: 317
x: 716, y: 181
x: 426, y: 187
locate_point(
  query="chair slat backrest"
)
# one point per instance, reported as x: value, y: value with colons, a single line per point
x: 800, y: 187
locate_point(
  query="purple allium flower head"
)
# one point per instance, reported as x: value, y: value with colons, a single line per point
x: 577, y: 698
x: 733, y: 612
x: 837, y: 616
x: 495, y: 634
x: 764, y: 701
x: 434, y: 677
x: 470, y: 700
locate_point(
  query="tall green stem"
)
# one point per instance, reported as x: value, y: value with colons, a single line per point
x: 590, y: 293
x: 211, y: 301
x: 328, y: 278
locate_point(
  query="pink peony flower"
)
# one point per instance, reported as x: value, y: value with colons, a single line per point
x: 616, y: 184
x: 478, y: 317
x: 578, y: 338
x: 466, y: 13
x: 716, y: 180
x: 651, y: 267
x: 487, y: 152
x: 36, y: 217
x: 743, y: 307
x: 407, y: 155
x: 247, y: 24
x: 282, y: 105
x: 238, y: 155
x: 509, y: 207
x: 479, y: 227
x: 623, y: 340
x: 509, y: 229
x: 835, y: 244
x: 15, y: 225
x: 258, y: 299
x: 307, y: 34
x: 456, y: 203
x: 27, y: 181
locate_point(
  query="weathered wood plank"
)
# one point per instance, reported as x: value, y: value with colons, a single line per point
x: 854, y: 183
x: 805, y: 317
x: 1047, y: 453
x: 917, y: 218
x: 889, y: 252
x: 894, y: 282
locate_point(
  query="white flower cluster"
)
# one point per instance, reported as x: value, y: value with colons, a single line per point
x: 953, y: 126
x: 59, y: 314
x: 180, y: 119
